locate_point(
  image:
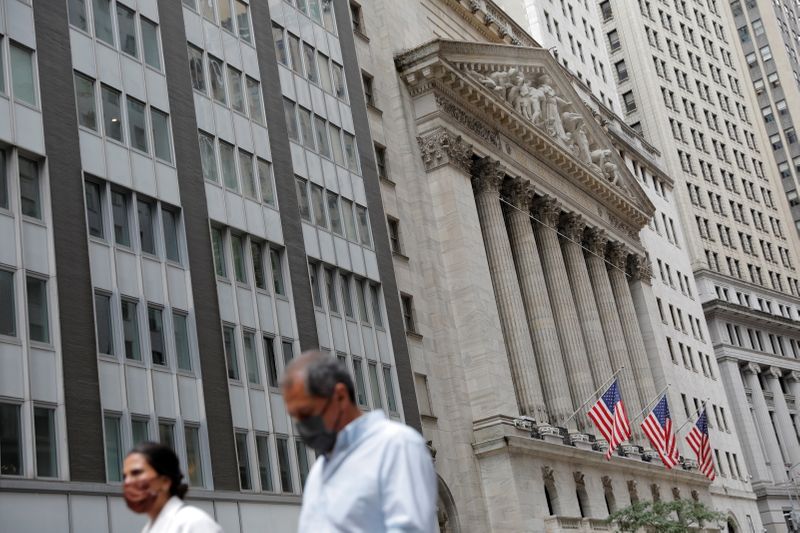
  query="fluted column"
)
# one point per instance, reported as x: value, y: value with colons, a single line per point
x: 535, y: 296
x: 783, y: 421
x: 547, y: 212
x: 572, y: 227
x: 618, y: 256
x: 487, y: 177
x: 765, y: 427
x: 596, y: 241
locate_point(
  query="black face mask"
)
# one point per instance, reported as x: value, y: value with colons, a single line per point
x: 314, y: 433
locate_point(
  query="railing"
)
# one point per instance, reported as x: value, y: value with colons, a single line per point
x: 564, y: 524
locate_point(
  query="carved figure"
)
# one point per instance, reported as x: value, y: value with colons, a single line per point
x: 602, y: 159
x: 552, y: 115
x: 502, y: 81
x: 581, y: 144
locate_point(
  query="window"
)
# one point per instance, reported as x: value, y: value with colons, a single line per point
x: 375, y: 389
x: 161, y: 137
x: 230, y: 352
x: 423, y: 394
x: 355, y: 14
x: 330, y: 289
x: 243, y: 460
x: 394, y: 234
x: 250, y: 360
x: 272, y: 363
x: 336, y: 144
x: 407, y: 304
x: 242, y: 20
x: 291, y: 120
x: 130, y: 327
x: 113, y: 445
x: 280, y: 44
x: 152, y: 53
x: 337, y: 72
x: 22, y: 74
x: 137, y: 125
x: 10, y: 440
x: 236, y: 89
x: 361, y: 300
x: 77, y: 14
x: 277, y: 272
x: 344, y: 284
x: 306, y: 129
x: 155, y: 319
x: 374, y: 294
x: 170, y: 222
x: 103, y: 26
x: 264, y: 463
x: 208, y: 157
x: 84, y: 95
x: 166, y: 433
x: 119, y: 207
x: 103, y: 323
x: 388, y: 384
x: 288, y: 352
x: 239, y: 270
x: 227, y: 159
x: 369, y: 92
x: 197, y: 69
x: 3, y: 167
x: 622, y: 70
x: 605, y: 10
x: 216, y: 73
x: 321, y: 134
x: 30, y: 197
x: 194, y: 461
x: 145, y: 210
x: 140, y: 430
x: 38, y: 321
x: 284, y: 465
x: 629, y: 101
x: 181, y: 330
x: 301, y: 188
x: 317, y: 197
x: 127, y: 30
x: 257, y: 252
x: 310, y: 57
x: 363, y: 226
x: 265, y: 182
x: 361, y: 392
x: 112, y: 113
x: 613, y: 40
x: 294, y: 52
x: 302, y: 460
x: 254, y: 99
x: 350, y: 151
x: 766, y: 53
x: 380, y: 160
x: 8, y: 320
x: 333, y: 212
x: 94, y: 209
x: 316, y: 295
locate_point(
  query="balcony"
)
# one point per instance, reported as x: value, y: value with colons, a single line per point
x: 559, y: 524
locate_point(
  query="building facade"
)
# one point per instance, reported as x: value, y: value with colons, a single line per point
x: 517, y: 208
x: 188, y: 199
x: 688, y: 94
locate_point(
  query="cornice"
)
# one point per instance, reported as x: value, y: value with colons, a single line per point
x: 721, y: 309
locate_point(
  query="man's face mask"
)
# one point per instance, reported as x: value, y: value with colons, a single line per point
x: 315, y: 434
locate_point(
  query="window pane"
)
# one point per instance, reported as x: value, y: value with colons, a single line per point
x: 230, y: 352
x: 3, y: 167
x: 77, y: 14
x: 250, y: 360
x: 22, y: 74
x: 280, y: 44
x: 161, y: 136
x: 29, y: 188
x: 305, y: 127
x: 194, y: 461
x: 242, y: 20
x: 119, y: 205
x: 338, y: 81
x: 375, y: 389
x: 344, y: 285
x: 350, y: 151
x: 314, y: 11
x: 130, y: 327
x: 38, y: 322
x: 84, y: 95
x: 10, y: 441
x: 264, y: 463
x: 294, y: 51
x: 238, y: 259
x: 170, y: 221
x: 137, y: 127
x: 225, y: 16
x: 272, y: 363
x: 288, y: 352
x: 146, y: 235
x: 94, y: 209
x: 257, y: 252
x: 102, y: 21
x: 325, y: 73
x: 112, y: 113
x: 361, y: 392
x: 277, y: 272
x: 254, y: 100
x: 361, y: 299
x: 291, y: 120
x: 316, y: 296
x: 2, y: 70
x: 207, y: 8
x: 389, y: 387
x: 246, y: 168
x: 8, y: 315
x: 376, y: 305
x: 227, y: 157
x: 216, y: 72
x: 302, y: 199
x: 265, y: 182
x: 219, y: 252
x: 236, y: 90
x: 317, y: 196
x: 104, y: 324
x: 243, y: 458
x: 310, y: 57
x: 363, y: 226
x: 333, y: 212
x: 330, y: 289
x: 113, y: 441
x: 179, y: 324
x: 336, y: 144
x: 196, y: 69
x: 140, y: 431
x: 166, y: 434
x: 284, y: 465
x: 208, y: 157
x: 152, y: 54
x: 302, y: 461
x: 349, y: 219
x: 127, y: 30
x: 155, y: 319
x: 321, y: 133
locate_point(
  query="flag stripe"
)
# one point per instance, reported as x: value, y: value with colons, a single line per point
x: 609, y: 416
x: 699, y: 443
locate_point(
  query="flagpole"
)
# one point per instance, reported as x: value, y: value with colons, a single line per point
x: 703, y: 406
x: 652, y: 402
x: 590, y: 398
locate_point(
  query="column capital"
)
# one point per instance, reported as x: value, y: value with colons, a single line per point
x: 487, y: 175
x: 618, y: 255
x: 794, y: 375
x: 752, y: 368
x: 519, y: 193
x: 640, y: 268
x: 596, y: 241
x: 572, y: 226
x: 441, y: 147
x: 775, y: 372
x: 547, y: 210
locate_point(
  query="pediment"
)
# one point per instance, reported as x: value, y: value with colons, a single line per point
x: 528, y: 97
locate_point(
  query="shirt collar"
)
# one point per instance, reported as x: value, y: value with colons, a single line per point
x: 356, y: 430
x: 167, y: 512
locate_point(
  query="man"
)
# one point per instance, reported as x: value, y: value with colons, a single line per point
x: 372, y: 474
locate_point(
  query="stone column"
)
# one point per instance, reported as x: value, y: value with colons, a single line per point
x: 596, y: 241
x: 547, y: 212
x: 794, y: 388
x: 765, y: 428
x: 536, y: 298
x: 572, y: 227
x: 618, y: 256
x: 783, y: 421
x: 487, y: 176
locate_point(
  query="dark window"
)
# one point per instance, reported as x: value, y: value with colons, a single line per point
x: 369, y: 95
x: 380, y: 160
x: 94, y: 209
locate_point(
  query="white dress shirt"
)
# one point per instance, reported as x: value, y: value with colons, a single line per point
x: 378, y: 478
x: 177, y: 517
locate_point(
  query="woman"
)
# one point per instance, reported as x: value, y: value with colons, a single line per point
x: 152, y: 484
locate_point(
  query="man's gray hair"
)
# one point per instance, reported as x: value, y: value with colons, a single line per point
x: 321, y: 373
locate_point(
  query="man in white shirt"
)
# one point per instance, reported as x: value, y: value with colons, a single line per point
x: 372, y: 474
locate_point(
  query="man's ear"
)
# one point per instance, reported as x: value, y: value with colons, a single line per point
x: 340, y: 392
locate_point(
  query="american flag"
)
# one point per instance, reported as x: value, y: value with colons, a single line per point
x: 609, y: 415
x: 658, y: 428
x: 698, y: 441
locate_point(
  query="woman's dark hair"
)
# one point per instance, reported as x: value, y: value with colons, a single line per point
x: 165, y: 462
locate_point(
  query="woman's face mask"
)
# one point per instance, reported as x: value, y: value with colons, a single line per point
x: 142, y: 485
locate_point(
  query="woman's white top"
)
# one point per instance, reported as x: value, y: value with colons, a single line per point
x: 177, y: 517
